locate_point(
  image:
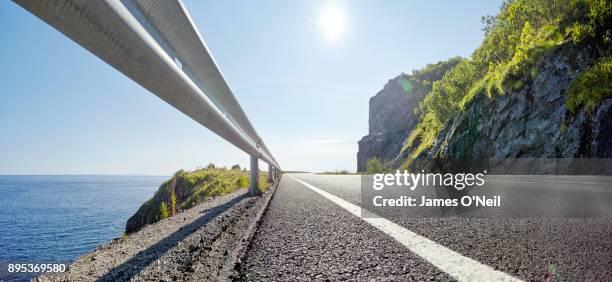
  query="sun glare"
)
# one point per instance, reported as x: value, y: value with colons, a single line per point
x: 332, y: 21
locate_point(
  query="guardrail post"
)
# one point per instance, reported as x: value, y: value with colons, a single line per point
x: 270, y: 174
x: 254, y: 180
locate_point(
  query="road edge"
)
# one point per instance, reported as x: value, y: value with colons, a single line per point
x: 231, y: 268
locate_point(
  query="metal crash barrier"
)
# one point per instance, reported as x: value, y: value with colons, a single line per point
x: 156, y: 44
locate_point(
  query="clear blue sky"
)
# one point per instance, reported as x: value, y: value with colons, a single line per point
x: 303, y: 81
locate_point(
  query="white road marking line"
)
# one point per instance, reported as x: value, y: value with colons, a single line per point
x: 456, y: 265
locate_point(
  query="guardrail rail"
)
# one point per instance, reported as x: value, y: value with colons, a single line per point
x: 156, y: 44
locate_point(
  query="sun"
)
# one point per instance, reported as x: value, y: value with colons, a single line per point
x: 332, y: 22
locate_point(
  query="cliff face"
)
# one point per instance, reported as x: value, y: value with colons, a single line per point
x: 538, y: 87
x: 390, y: 120
x: 531, y: 122
x: 391, y: 113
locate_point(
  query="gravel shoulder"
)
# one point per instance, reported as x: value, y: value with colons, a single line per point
x: 202, y: 243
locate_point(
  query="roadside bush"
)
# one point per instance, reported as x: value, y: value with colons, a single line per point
x: 173, y: 210
x: 163, y: 211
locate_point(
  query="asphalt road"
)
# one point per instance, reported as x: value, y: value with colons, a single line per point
x: 315, y: 228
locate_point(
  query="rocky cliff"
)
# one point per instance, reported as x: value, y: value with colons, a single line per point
x: 530, y: 122
x: 538, y: 87
x: 392, y: 112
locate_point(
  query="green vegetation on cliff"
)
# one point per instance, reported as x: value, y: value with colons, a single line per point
x: 188, y: 188
x: 163, y: 211
x: 515, y: 39
x: 591, y: 87
x: 375, y: 165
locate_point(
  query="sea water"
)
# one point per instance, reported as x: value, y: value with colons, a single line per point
x: 56, y: 219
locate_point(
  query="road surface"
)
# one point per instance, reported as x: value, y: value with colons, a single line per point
x: 314, y: 228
